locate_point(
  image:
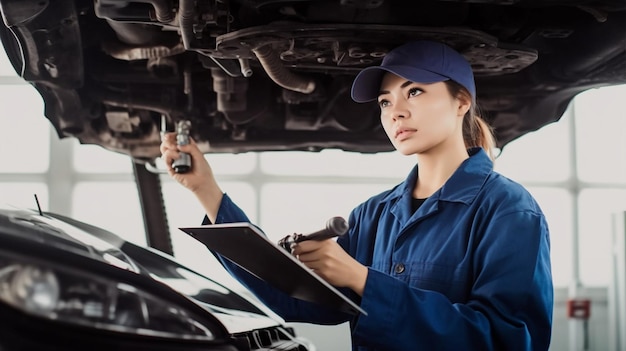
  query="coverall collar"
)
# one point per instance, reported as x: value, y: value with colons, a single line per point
x: 463, y: 185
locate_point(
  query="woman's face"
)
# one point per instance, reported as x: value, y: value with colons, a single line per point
x: 420, y: 118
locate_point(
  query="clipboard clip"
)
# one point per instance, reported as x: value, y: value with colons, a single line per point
x: 336, y: 226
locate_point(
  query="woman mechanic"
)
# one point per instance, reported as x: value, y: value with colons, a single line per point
x: 456, y: 257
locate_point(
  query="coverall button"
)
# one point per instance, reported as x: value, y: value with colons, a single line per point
x: 399, y: 268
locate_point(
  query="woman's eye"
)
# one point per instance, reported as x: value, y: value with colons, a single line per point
x: 383, y: 103
x: 415, y: 91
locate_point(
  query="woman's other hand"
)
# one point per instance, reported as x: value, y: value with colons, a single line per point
x: 331, y: 262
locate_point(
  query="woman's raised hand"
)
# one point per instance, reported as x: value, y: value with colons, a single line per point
x: 199, y: 179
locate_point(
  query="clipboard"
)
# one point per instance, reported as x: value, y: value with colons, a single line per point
x: 245, y: 245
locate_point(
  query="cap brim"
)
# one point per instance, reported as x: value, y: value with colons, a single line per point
x: 366, y: 85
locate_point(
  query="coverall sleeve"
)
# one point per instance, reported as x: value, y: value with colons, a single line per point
x: 509, y: 306
x: 290, y: 309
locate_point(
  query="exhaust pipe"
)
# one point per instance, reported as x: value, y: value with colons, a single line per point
x: 279, y: 74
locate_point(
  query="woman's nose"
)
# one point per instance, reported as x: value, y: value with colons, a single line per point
x: 399, y: 110
x: 398, y: 115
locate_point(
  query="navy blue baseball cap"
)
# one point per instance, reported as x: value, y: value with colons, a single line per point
x: 419, y: 61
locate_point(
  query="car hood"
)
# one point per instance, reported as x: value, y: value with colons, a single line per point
x: 238, y: 314
x: 241, y: 322
x: 276, y: 75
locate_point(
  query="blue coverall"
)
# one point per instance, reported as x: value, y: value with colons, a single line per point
x: 469, y: 270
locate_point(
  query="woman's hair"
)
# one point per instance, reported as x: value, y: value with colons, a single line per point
x: 476, y: 131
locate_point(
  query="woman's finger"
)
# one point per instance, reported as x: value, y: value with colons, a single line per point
x: 168, y: 156
x: 168, y: 141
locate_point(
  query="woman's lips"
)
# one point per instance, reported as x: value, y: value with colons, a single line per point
x: 404, y: 133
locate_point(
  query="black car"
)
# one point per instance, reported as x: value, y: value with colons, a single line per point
x: 67, y: 285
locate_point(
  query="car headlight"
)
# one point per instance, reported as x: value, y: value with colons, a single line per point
x: 70, y: 295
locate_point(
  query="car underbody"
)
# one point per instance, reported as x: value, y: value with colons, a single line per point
x: 276, y: 75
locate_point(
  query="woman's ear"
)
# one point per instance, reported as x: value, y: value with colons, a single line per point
x: 464, y: 105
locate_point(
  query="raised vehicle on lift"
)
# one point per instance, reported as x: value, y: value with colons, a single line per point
x: 276, y: 75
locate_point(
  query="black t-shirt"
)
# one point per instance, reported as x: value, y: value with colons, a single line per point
x: 416, y: 203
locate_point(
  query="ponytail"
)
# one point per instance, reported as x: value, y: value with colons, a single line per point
x: 476, y: 131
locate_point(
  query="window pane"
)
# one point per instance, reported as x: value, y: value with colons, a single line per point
x: 5, y: 66
x: 596, y: 207
x: 226, y: 164
x: 22, y: 195
x: 304, y: 208
x: 600, y: 132
x: 232, y: 164
x: 184, y: 210
x: 113, y: 206
x: 557, y: 206
x: 542, y: 155
x: 22, y: 110
x: 339, y: 163
x: 96, y: 159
